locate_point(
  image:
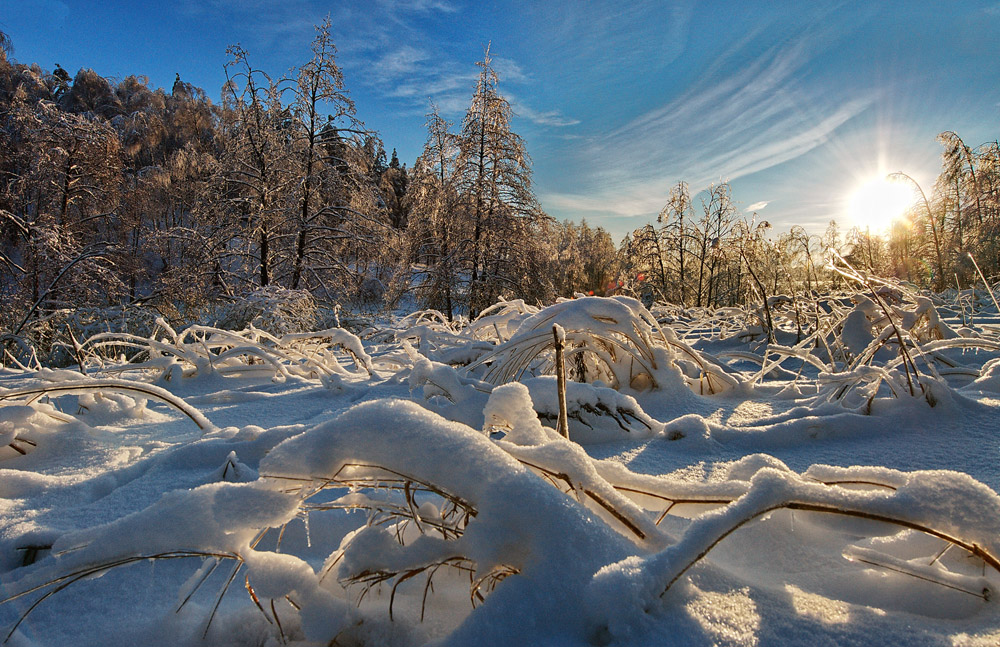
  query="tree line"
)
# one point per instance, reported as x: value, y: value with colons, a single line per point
x: 703, y: 251
x: 113, y: 193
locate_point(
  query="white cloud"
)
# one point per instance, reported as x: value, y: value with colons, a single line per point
x: 396, y: 65
x: 742, y: 119
x: 550, y: 118
x: 424, y: 79
x: 645, y: 198
x: 418, y: 76
x: 757, y: 206
x: 547, y: 118
x: 607, y: 38
x: 508, y: 70
x: 420, y: 6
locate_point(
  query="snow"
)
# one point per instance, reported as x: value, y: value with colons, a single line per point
x: 406, y: 485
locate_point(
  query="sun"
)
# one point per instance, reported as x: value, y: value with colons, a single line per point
x: 878, y: 201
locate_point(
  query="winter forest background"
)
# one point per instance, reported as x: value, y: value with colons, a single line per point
x: 113, y: 193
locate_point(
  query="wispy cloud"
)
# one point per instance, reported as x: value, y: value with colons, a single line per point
x: 757, y: 206
x: 390, y: 46
x: 277, y: 27
x: 509, y: 70
x: 738, y: 120
x: 420, y: 5
x: 416, y: 76
x: 607, y: 38
x: 635, y: 202
x: 546, y: 118
x: 393, y: 66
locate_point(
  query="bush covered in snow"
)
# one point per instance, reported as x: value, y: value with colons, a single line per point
x: 272, y: 309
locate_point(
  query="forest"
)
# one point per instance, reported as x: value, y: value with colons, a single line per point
x: 116, y: 194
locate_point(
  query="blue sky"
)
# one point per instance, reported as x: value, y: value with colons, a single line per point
x: 794, y: 103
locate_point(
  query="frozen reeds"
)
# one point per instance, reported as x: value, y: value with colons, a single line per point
x: 204, y: 349
x: 29, y: 395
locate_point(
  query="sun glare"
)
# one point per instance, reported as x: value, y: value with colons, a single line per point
x: 879, y: 201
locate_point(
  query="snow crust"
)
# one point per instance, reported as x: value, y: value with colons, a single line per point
x: 407, y: 486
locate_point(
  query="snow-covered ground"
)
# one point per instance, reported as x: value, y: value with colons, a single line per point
x: 406, y: 485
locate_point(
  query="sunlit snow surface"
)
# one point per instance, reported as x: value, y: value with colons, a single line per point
x: 563, y: 541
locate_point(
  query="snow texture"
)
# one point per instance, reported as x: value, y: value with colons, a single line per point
x: 406, y: 485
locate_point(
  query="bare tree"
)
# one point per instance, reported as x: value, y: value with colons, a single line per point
x: 437, y: 224
x: 320, y: 111
x: 494, y: 181
x: 672, y: 217
x: 256, y: 162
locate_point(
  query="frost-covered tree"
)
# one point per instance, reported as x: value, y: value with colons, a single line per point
x: 186, y: 234
x: 750, y: 249
x: 494, y: 182
x: 672, y: 216
x: 256, y: 166
x: 141, y: 133
x: 436, y: 221
x: 584, y: 258
x: 321, y: 108
x: 714, y: 229
x: 804, y: 250
x: 645, y: 253
x: 686, y: 260
x: 6, y: 46
x: 392, y: 191
x: 299, y: 179
x: 867, y: 251
x: 91, y: 93
x: 65, y: 200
